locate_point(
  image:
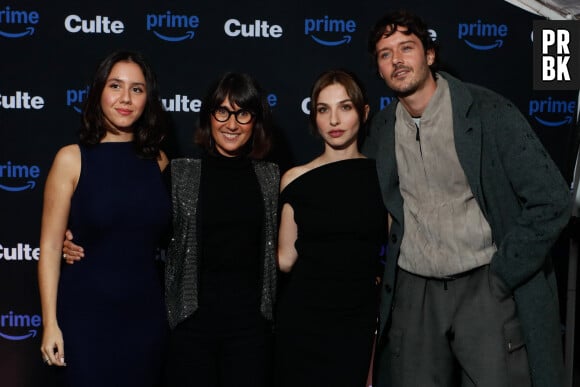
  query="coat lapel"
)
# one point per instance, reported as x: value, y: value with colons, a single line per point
x: 387, y: 167
x: 467, y: 134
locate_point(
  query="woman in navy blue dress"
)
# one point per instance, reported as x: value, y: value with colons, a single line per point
x: 107, y: 312
x: 221, y: 262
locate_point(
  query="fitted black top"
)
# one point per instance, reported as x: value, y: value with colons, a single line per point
x: 230, y: 216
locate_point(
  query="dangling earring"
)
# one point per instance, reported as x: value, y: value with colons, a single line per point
x: 210, y: 142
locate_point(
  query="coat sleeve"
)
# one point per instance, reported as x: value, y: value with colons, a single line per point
x: 541, y: 191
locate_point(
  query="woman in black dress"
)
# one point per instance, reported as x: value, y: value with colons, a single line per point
x: 332, y: 226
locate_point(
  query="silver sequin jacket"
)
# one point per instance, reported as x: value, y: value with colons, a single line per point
x: 181, y: 271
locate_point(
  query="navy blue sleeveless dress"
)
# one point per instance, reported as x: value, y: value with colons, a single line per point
x: 110, y: 305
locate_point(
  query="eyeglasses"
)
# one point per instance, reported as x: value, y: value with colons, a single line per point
x: 223, y: 114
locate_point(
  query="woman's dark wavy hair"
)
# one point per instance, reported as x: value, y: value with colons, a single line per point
x: 354, y: 89
x: 387, y: 25
x: 148, y: 130
x: 243, y: 90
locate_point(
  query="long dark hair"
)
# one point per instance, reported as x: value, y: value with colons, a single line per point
x: 148, y: 130
x: 242, y: 90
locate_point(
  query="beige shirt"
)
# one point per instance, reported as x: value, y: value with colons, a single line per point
x: 445, y: 230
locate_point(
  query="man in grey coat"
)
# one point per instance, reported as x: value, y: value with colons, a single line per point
x: 469, y: 295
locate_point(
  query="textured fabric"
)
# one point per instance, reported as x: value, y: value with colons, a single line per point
x: 445, y: 230
x: 182, y: 268
x: 327, y: 311
x: 269, y: 178
x: 523, y: 197
x: 110, y: 305
x: 469, y: 320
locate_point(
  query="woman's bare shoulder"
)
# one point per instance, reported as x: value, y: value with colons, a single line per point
x: 294, y: 173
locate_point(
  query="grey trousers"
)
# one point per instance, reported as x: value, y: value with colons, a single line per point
x: 462, y: 331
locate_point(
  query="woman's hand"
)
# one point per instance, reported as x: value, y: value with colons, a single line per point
x: 52, y: 347
x: 71, y: 253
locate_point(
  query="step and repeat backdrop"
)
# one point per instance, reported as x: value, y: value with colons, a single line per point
x: 49, y: 50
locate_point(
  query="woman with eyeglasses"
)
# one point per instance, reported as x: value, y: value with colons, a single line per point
x: 220, y: 273
x: 221, y: 264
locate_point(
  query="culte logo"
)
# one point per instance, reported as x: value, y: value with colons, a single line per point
x: 21, y: 100
x: 181, y: 103
x: 98, y: 25
x: 13, y: 326
x: 17, y: 24
x: 22, y: 252
x: 75, y: 98
x: 329, y: 32
x: 305, y: 105
x: 561, y: 112
x: 21, y: 177
x: 182, y: 25
x: 492, y: 35
x: 257, y: 29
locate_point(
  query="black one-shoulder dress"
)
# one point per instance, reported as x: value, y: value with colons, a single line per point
x: 327, y: 312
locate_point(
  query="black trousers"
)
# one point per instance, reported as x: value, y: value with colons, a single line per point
x: 212, y: 350
x: 461, y: 331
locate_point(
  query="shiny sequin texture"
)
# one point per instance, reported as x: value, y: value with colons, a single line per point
x: 181, y: 274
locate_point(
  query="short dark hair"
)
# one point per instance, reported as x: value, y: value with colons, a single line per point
x: 387, y: 25
x: 148, y: 130
x: 242, y: 90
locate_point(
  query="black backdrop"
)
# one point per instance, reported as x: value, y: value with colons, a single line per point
x: 48, y: 51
